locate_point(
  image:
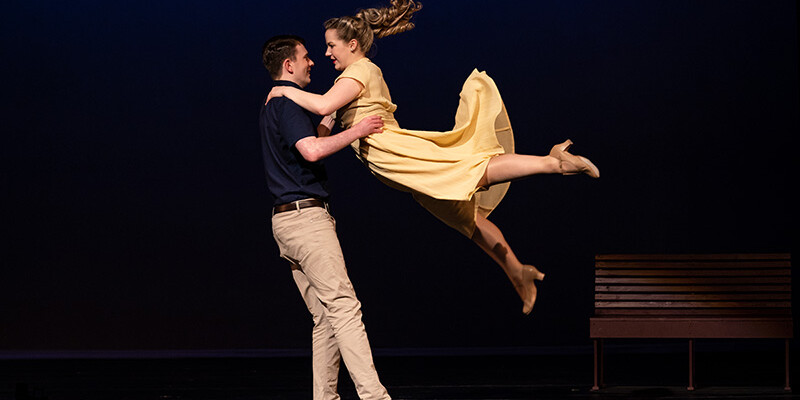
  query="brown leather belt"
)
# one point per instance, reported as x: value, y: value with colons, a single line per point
x: 298, y: 205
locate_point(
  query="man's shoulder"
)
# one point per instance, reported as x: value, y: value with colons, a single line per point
x: 283, y: 103
x: 287, y: 113
x: 281, y: 107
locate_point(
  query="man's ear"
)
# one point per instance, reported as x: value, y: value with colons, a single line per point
x: 287, y: 66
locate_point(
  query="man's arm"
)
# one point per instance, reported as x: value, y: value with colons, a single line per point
x: 314, y: 148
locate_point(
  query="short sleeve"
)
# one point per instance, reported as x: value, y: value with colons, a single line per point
x: 359, y: 71
x: 295, y: 123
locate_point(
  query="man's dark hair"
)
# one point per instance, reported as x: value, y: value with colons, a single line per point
x: 276, y: 50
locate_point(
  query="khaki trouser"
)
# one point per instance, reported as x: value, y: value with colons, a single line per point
x: 307, y: 238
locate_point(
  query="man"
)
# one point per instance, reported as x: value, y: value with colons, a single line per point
x: 303, y: 228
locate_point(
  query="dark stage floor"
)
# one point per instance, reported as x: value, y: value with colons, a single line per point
x: 751, y: 374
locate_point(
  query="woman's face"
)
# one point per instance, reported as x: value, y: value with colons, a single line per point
x: 341, y: 53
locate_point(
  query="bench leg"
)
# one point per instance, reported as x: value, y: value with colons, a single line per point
x: 602, y: 363
x: 598, y: 364
x: 691, y: 365
x: 788, y: 387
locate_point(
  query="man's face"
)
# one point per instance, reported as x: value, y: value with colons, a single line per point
x: 300, y: 67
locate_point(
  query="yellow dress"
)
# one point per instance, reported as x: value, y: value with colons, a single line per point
x: 440, y: 169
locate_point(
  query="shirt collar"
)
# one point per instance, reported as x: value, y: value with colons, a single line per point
x: 286, y: 83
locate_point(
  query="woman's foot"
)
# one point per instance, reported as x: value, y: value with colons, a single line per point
x: 527, y: 288
x: 571, y: 164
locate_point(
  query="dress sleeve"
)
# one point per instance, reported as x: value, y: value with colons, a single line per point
x: 359, y: 71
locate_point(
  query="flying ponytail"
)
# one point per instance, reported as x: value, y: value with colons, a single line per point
x: 372, y: 23
x: 390, y: 20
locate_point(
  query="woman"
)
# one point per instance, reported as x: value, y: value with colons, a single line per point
x: 459, y: 176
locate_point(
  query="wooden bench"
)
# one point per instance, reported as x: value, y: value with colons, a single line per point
x: 691, y: 296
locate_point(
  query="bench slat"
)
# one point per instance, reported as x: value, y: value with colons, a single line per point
x: 701, y: 257
x: 693, y: 296
x: 693, y: 272
x: 692, y: 288
x: 693, y: 304
x: 750, y: 264
x: 696, y: 280
x: 707, y: 312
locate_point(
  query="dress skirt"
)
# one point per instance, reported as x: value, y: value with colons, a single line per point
x: 442, y: 169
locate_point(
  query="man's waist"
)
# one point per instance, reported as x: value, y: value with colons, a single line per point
x: 299, y: 205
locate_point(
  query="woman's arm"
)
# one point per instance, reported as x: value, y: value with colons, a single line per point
x: 343, y: 91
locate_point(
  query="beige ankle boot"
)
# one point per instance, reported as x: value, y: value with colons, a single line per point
x: 572, y: 164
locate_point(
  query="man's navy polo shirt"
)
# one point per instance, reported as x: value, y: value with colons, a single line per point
x: 289, y: 176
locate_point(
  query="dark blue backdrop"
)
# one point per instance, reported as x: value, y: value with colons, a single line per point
x: 136, y: 214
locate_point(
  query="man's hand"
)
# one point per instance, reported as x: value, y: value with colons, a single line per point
x: 368, y: 126
x: 314, y: 148
x: 276, y: 91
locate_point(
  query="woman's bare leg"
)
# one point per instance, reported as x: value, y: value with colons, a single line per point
x: 507, y: 167
x: 489, y: 238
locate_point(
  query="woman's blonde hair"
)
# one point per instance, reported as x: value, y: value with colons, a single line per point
x: 373, y: 23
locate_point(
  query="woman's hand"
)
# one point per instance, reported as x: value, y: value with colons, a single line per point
x: 277, y: 91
